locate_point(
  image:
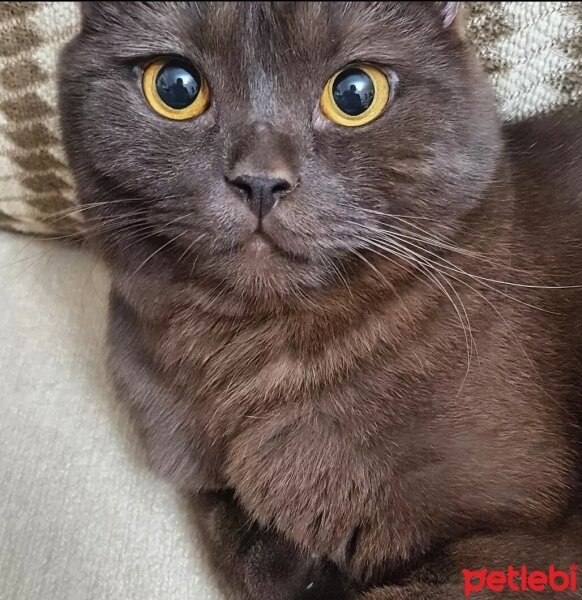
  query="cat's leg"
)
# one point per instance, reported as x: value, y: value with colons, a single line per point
x: 253, y: 563
x: 159, y: 415
x: 458, y: 571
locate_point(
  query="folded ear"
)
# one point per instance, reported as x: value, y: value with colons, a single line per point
x: 449, y: 12
x: 451, y: 16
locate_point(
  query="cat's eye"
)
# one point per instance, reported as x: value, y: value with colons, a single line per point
x: 175, y: 89
x: 355, y: 96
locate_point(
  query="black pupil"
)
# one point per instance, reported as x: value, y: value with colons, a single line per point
x: 353, y: 91
x: 178, y: 84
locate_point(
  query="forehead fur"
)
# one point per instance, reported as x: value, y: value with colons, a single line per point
x: 267, y: 31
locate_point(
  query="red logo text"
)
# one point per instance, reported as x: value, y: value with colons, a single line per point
x: 520, y: 580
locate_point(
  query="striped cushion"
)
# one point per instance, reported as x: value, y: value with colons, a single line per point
x: 35, y: 183
x: 532, y: 52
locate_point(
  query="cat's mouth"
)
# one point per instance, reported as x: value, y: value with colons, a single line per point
x: 260, y: 245
x: 261, y: 240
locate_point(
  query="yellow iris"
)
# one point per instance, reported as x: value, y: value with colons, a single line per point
x: 182, y: 102
x: 355, y: 96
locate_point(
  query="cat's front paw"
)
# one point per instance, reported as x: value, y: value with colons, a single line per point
x: 323, y: 582
x: 256, y: 563
x: 275, y: 570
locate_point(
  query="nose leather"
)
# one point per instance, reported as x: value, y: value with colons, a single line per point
x: 263, y: 166
x: 261, y: 193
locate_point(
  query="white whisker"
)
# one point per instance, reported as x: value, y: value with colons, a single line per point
x: 157, y: 251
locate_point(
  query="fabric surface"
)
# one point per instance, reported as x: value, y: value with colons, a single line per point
x: 35, y: 183
x: 81, y: 516
x: 532, y: 51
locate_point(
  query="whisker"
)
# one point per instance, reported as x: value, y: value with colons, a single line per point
x: 435, y: 240
x: 445, y: 244
x: 465, y: 324
x: 190, y: 246
x: 158, y: 250
x: 489, y: 303
x: 340, y: 275
x: 450, y: 266
x: 393, y: 216
x: 82, y: 208
x: 388, y: 283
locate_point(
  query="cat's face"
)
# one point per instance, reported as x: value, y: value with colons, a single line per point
x: 178, y: 191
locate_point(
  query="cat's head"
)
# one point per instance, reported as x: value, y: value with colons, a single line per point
x: 271, y: 146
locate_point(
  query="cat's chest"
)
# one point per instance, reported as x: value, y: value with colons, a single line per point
x: 240, y: 381
x: 278, y: 388
x: 327, y: 444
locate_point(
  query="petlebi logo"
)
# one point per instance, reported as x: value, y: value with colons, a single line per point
x: 521, y: 579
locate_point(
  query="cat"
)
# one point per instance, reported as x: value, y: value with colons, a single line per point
x: 345, y: 304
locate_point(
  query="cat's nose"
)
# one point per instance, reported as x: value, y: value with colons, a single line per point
x: 261, y: 193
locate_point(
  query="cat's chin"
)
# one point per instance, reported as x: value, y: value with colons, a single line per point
x: 259, y: 256
x: 260, y: 267
x: 260, y: 247
x: 261, y: 250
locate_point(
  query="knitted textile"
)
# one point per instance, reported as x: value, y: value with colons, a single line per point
x: 531, y: 50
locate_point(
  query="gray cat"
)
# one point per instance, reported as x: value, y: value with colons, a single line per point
x: 345, y: 310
